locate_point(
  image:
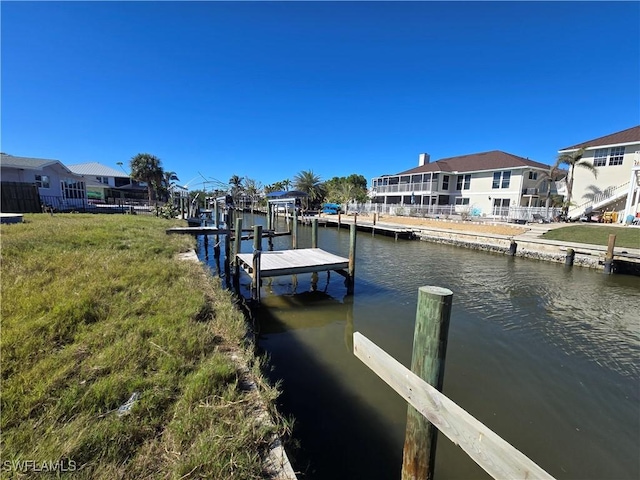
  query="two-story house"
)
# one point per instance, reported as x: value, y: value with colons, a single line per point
x: 487, y: 183
x: 617, y: 185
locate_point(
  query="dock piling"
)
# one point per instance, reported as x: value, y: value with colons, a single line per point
x: 294, y: 230
x: 608, y: 259
x: 255, y: 283
x: 569, y: 259
x: 257, y: 237
x: 314, y: 233
x: 352, y: 260
x: 431, y: 332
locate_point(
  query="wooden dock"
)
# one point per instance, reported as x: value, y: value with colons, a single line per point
x: 293, y: 262
x: 366, y: 225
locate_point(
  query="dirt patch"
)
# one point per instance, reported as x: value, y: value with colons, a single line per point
x: 449, y: 225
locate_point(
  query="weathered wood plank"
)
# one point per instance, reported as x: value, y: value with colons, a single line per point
x: 291, y: 262
x: 496, y: 456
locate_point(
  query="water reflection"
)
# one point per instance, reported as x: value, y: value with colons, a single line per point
x: 548, y: 357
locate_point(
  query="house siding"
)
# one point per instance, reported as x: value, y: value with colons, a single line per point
x: 609, y: 176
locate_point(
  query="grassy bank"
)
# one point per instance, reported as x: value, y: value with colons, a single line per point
x: 96, y: 308
x: 628, y: 237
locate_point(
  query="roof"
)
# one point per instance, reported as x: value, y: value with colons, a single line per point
x: 630, y: 135
x: 476, y: 162
x: 28, y: 163
x: 96, y: 169
x: 7, y: 160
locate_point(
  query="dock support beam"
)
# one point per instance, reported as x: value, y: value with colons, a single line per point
x: 236, y: 250
x: 257, y: 237
x: 294, y: 230
x: 314, y: 233
x: 571, y: 255
x: 350, y: 281
x: 428, y: 359
x: 608, y: 259
x: 513, y: 248
x: 255, y: 283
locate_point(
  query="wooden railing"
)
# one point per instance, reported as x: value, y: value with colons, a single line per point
x: 493, y: 454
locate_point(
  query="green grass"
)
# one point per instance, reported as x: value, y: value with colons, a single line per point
x: 97, y: 307
x: 628, y: 237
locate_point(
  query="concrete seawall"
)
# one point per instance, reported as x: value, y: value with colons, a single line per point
x: 538, y: 249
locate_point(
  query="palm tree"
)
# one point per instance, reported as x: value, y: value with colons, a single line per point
x: 311, y: 184
x: 147, y: 168
x: 573, y: 160
x: 168, y: 180
x: 286, y: 183
x: 253, y: 189
x: 236, y: 187
x: 549, y: 177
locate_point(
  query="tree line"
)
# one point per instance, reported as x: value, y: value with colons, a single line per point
x: 148, y: 168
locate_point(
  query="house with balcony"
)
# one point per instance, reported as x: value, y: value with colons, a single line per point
x: 29, y: 184
x: 617, y: 185
x: 485, y: 184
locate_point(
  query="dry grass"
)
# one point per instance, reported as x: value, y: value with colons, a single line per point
x: 95, y: 308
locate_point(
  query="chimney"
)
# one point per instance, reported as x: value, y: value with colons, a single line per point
x: 423, y: 158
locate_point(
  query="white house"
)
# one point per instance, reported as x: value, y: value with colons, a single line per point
x: 57, y: 185
x: 616, y: 188
x: 487, y: 183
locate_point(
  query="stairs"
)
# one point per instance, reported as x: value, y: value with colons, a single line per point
x: 609, y: 196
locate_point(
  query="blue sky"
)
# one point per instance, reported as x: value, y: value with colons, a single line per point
x: 268, y: 89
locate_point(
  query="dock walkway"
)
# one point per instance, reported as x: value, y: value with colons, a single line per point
x: 292, y: 262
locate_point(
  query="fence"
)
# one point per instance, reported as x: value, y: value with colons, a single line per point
x: 461, y: 212
x: 20, y: 198
x: 497, y: 457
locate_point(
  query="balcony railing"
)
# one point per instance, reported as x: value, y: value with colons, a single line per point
x: 416, y: 188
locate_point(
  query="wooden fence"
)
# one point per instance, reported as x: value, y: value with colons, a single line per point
x: 20, y: 198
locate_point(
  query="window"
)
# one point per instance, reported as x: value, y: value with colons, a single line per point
x: 501, y: 179
x: 445, y: 182
x: 72, y: 189
x: 533, y: 175
x: 506, y: 179
x: 463, y: 182
x: 496, y: 179
x: 616, y: 156
x: 600, y: 157
x: 462, y: 201
x: 104, y: 180
x: 42, y: 181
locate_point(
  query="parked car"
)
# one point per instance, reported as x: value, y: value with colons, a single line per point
x: 332, y: 208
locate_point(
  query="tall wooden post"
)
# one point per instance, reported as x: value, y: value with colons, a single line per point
x: 352, y: 260
x: 255, y: 284
x: 227, y: 254
x: 294, y: 233
x: 238, y: 240
x: 269, y: 216
x: 257, y: 237
x: 314, y: 233
x: 428, y: 359
x: 339, y: 219
x: 608, y: 259
x: 216, y: 214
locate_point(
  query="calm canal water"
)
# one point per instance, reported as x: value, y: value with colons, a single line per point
x: 547, y: 357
